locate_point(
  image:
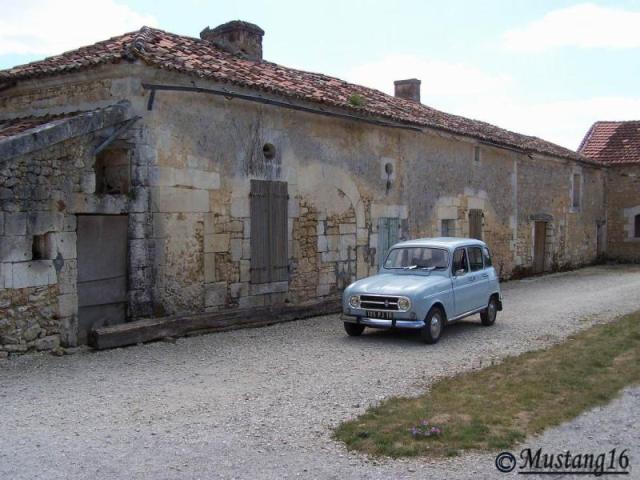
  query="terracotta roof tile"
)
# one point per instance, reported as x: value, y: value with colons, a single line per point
x: 613, y: 142
x: 16, y: 126
x: 200, y: 58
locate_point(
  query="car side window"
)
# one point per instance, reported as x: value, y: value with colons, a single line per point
x: 460, y: 260
x: 475, y: 258
x: 487, y: 258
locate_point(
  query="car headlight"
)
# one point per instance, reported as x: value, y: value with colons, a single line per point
x: 404, y: 303
x: 354, y: 301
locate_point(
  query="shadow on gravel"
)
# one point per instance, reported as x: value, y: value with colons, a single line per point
x: 409, y: 337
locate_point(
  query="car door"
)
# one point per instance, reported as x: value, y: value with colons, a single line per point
x: 480, y: 280
x: 463, y: 283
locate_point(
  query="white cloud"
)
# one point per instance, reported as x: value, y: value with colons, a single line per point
x: 584, y: 25
x: 473, y: 93
x: 46, y: 27
x: 563, y: 122
x: 438, y: 77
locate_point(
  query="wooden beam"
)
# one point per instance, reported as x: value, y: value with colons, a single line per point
x: 150, y: 329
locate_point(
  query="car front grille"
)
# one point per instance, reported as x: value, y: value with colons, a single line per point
x: 378, y: 302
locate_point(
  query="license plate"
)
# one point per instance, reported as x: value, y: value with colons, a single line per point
x: 382, y: 315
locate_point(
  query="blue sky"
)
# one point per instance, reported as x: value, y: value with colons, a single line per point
x: 546, y: 68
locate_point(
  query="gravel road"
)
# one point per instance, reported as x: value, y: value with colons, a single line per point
x: 261, y: 403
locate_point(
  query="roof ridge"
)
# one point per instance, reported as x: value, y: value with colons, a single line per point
x: 197, y: 57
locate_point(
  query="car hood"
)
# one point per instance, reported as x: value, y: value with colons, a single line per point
x: 390, y: 284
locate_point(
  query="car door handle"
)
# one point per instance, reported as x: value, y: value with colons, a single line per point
x: 485, y: 275
x: 472, y: 278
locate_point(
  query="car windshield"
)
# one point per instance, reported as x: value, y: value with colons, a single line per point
x: 417, y: 257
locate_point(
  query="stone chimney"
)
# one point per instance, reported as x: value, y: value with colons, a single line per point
x: 408, y: 89
x: 237, y: 37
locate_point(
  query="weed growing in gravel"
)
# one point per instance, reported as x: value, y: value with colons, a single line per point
x: 496, y: 407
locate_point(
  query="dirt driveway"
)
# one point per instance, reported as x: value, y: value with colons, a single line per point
x: 261, y: 403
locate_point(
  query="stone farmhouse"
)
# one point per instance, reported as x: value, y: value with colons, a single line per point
x: 162, y: 183
x: 617, y: 145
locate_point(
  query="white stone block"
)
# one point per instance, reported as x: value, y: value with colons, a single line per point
x: 69, y: 224
x: 67, y: 305
x: 43, y: 222
x: 36, y: 273
x: 333, y: 242
x: 6, y: 275
x: 346, y: 228
x: 217, y: 242
x: 15, y: 223
x: 330, y: 256
x: 322, y: 243
x: 362, y: 236
x: 240, y: 207
x: 88, y: 183
x: 16, y: 248
x: 347, y: 244
x: 209, y: 223
x: 246, y: 249
x: 391, y: 211
x: 170, y: 199
x: 63, y: 243
x: 236, y: 249
x: 203, y: 179
x: 293, y: 208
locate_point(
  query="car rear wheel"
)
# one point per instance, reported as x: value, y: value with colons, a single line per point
x: 488, y: 315
x: 434, y: 323
x: 353, y: 329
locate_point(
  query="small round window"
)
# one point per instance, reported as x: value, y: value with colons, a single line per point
x: 269, y: 151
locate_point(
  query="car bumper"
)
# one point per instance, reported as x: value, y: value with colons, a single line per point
x: 380, y: 323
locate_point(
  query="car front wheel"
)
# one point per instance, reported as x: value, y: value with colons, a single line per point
x: 434, y: 323
x: 353, y: 329
x: 488, y: 315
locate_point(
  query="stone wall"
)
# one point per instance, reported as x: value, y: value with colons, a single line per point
x: 41, y: 194
x: 193, y: 157
x: 38, y: 300
x: 623, y: 204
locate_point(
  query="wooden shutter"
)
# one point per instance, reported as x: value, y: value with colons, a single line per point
x: 269, y: 253
x: 388, y: 234
x: 279, y: 261
x: 475, y: 224
x: 259, y: 204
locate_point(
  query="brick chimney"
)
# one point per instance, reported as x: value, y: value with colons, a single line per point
x: 237, y: 37
x: 408, y: 89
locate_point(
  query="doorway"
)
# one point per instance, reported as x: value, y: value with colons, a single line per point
x: 102, y: 272
x: 539, y: 246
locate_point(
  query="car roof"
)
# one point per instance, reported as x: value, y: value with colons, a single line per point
x: 449, y: 243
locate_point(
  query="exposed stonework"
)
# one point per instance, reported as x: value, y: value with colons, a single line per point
x: 192, y: 159
x: 623, y: 205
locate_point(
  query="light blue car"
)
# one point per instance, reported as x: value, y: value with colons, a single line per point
x: 424, y: 285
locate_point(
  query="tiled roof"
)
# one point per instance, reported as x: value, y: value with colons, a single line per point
x: 200, y: 58
x: 13, y: 127
x: 613, y: 142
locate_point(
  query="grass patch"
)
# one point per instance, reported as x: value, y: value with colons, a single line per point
x: 496, y: 407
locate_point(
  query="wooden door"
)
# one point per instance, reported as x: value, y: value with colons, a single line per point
x: 539, y: 246
x: 388, y: 235
x: 102, y: 272
x: 475, y: 224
